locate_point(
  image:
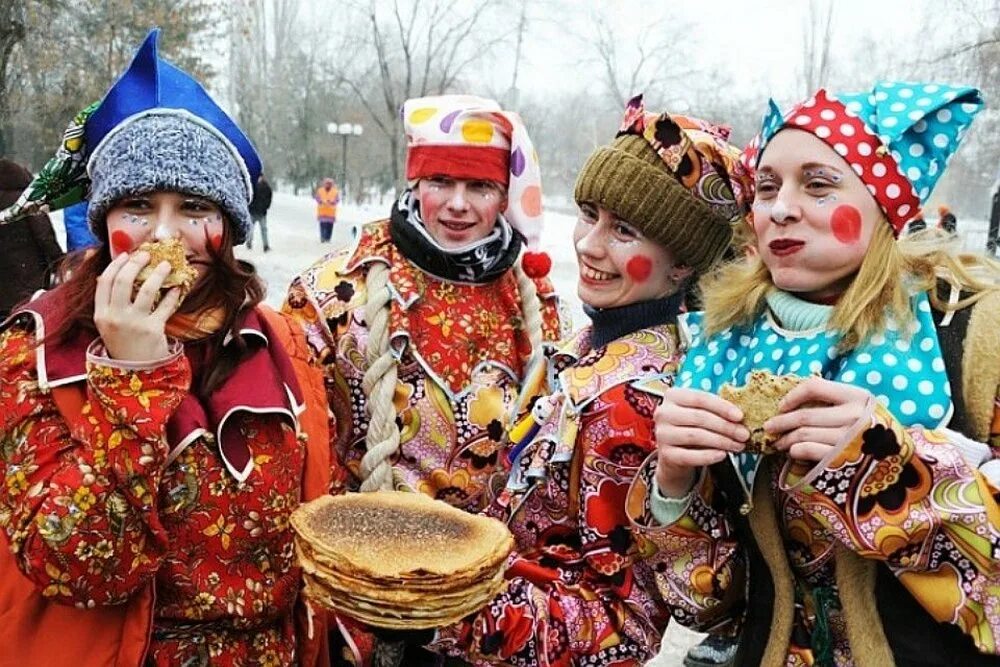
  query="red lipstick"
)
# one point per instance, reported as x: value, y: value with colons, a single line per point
x: 783, y: 247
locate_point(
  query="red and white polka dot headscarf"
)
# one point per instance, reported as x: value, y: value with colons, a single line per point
x: 897, y: 137
x: 468, y: 137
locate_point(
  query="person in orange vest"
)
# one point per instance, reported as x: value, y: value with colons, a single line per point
x: 327, y: 197
x: 154, y: 447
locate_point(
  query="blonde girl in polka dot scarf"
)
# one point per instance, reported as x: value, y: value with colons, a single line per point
x: 894, y: 339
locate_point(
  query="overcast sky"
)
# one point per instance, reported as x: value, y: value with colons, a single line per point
x: 758, y: 41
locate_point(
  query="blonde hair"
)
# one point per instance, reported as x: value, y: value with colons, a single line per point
x: 890, y: 272
x: 382, y: 439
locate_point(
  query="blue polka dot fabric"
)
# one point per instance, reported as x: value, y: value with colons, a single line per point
x: 903, y: 369
x: 921, y: 123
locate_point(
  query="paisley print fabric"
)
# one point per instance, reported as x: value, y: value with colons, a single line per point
x: 903, y: 496
x: 580, y: 590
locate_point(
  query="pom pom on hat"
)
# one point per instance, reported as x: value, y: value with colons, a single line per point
x: 536, y: 264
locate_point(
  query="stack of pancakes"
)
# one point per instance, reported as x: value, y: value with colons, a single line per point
x: 399, y: 560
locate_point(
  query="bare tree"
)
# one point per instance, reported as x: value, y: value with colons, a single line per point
x: 816, y: 35
x: 645, y: 63
x: 412, y: 49
x: 13, y: 29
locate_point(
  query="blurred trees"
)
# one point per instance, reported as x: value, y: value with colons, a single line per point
x: 72, y: 51
x: 287, y: 68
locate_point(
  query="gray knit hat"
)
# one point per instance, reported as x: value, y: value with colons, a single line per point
x: 168, y: 151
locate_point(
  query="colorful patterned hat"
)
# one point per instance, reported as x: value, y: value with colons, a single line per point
x: 674, y: 177
x: 897, y: 137
x: 469, y: 137
x: 149, y: 87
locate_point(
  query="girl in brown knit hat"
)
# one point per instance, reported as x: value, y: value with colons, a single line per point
x: 580, y: 590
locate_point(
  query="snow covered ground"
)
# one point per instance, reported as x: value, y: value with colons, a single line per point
x: 294, y: 238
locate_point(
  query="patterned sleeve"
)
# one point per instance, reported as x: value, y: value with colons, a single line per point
x: 581, y: 593
x: 696, y: 558
x: 301, y: 307
x: 79, y: 502
x: 908, y: 497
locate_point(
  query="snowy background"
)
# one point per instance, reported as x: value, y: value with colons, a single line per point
x: 294, y: 237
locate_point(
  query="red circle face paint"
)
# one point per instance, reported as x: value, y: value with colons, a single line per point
x: 215, y: 241
x: 121, y: 241
x: 845, y: 221
x: 639, y: 268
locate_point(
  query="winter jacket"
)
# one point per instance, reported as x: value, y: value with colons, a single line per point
x: 886, y: 554
x: 580, y: 590
x: 173, y: 506
x: 30, y: 249
x: 460, y: 348
x: 326, y: 203
x: 261, y: 201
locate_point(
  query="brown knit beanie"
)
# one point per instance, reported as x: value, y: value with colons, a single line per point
x: 675, y: 178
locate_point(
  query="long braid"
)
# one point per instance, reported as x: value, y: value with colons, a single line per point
x: 379, y: 385
x: 531, y: 310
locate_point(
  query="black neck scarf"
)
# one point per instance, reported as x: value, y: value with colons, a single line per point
x: 479, y: 263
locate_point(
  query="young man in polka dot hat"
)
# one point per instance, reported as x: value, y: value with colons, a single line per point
x: 428, y: 324
x: 870, y: 537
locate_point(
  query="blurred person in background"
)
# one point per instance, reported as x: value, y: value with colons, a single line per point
x: 327, y: 197
x: 259, y: 206
x: 946, y: 220
x: 29, y: 247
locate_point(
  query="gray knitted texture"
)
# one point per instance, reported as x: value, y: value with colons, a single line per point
x: 168, y: 152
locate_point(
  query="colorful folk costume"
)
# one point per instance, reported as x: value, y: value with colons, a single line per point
x: 425, y: 347
x: 581, y: 590
x: 145, y: 522
x: 885, y: 551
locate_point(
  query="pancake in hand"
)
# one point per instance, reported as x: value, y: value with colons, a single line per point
x: 759, y: 399
x: 182, y: 275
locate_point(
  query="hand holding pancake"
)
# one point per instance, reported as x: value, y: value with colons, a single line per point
x: 816, y: 416
x: 132, y: 321
x: 693, y: 429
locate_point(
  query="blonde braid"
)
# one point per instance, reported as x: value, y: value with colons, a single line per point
x: 531, y: 311
x: 379, y: 385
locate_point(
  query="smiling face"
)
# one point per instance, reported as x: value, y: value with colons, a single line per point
x: 812, y: 215
x: 618, y: 264
x: 157, y: 216
x: 457, y: 212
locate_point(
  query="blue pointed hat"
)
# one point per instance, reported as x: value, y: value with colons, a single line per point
x: 150, y: 82
x: 155, y: 128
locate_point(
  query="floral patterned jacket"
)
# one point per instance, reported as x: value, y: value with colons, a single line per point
x: 580, y: 591
x: 153, y: 486
x: 461, y: 350
x: 904, y: 498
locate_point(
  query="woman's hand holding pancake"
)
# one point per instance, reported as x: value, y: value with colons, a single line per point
x: 133, y: 328
x: 693, y: 429
x: 816, y: 416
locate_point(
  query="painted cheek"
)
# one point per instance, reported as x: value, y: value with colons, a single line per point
x: 121, y: 242
x: 845, y: 221
x: 639, y: 268
x: 215, y: 241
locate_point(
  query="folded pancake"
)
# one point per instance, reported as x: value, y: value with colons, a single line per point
x: 182, y: 275
x: 759, y: 399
